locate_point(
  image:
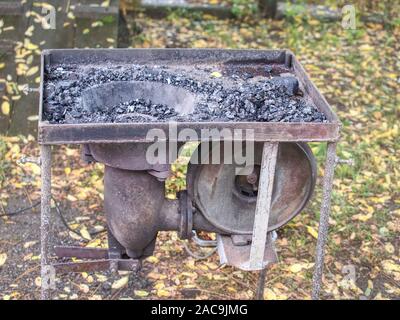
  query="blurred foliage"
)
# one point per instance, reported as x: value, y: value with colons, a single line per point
x: 243, y: 8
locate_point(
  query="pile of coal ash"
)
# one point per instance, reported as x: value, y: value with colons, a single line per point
x: 139, y: 110
x: 227, y: 98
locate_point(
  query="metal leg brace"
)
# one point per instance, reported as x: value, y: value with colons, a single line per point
x: 261, y: 284
x: 263, y: 208
x: 324, y: 218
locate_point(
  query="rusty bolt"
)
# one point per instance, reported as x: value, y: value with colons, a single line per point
x: 252, y: 178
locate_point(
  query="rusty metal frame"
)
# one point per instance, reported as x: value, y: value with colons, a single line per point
x: 330, y: 164
x: 137, y: 132
x: 119, y: 133
x: 101, y: 256
x: 99, y: 260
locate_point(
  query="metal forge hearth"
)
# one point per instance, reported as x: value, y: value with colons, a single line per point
x: 243, y: 210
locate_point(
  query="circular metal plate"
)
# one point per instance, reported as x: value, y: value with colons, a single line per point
x: 217, y: 191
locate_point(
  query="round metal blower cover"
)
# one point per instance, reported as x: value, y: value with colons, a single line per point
x: 228, y: 200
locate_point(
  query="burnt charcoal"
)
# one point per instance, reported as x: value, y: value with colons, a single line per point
x: 276, y: 99
x: 268, y: 69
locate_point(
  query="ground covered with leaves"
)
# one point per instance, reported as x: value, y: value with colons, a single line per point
x: 356, y: 70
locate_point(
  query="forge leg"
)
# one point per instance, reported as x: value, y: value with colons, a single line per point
x: 324, y: 218
x: 263, y: 208
x: 261, y: 284
x: 45, y: 155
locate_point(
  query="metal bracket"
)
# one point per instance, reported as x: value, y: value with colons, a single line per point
x: 186, y: 212
x: 331, y: 160
x: 100, y: 260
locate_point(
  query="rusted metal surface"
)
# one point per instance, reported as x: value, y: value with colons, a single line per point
x: 213, y: 189
x: 135, y: 206
x: 98, y: 259
x: 239, y: 255
x: 324, y: 219
x: 80, y: 252
x: 129, y: 156
x: 136, y: 209
x: 261, y: 285
x: 137, y: 132
x: 133, y: 201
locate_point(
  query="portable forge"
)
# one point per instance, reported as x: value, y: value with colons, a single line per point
x: 109, y: 100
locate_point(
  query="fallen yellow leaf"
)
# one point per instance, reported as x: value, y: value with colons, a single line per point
x: 312, y: 231
x: 121, y: 283
x: 269, y: 294
x: 216, y: 74
x: 362, y: 217
x: 141, y: 293
x: 152, y: 259
x: 71, y: 198
x: 3, y: 259
x: 297, y: 267
x: 32, y: 71
x: 5, y: 108
x: 162, y: 293
x: 389, y: 265
x: 85, y: 234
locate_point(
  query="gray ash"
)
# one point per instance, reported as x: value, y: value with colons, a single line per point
x: 142, y: 110
x: 276, y: 99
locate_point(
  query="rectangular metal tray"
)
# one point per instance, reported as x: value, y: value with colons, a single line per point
x: 136, y: 132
